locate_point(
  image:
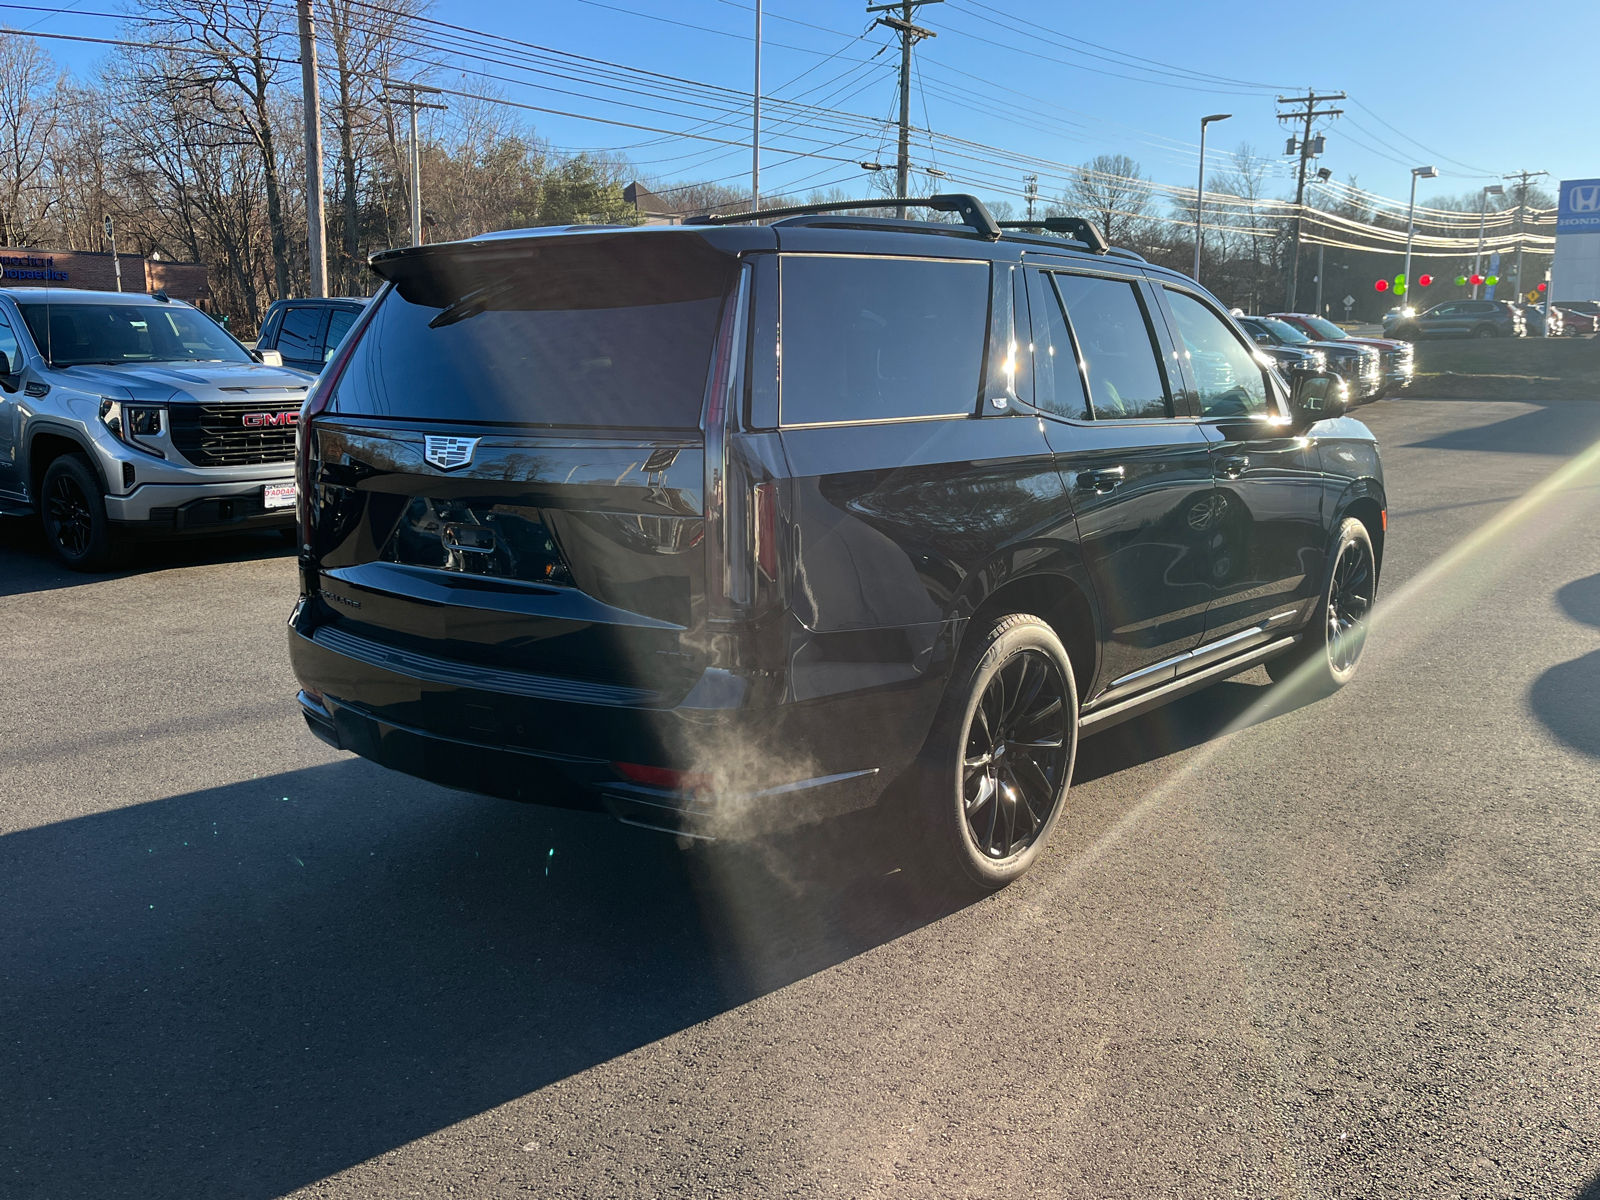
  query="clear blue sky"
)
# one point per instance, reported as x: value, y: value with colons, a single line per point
x: 1491, y: 87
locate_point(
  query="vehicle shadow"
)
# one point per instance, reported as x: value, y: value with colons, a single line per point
x: 1566, y: 698
x: 27, y: 564
x: 238, y: 991
x: 1561, y: 429
x: 1590, y: 1190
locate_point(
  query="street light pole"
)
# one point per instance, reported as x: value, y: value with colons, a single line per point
x: 755, y: 131
x: 1494, y: 189
x: 1411, y: 216
x: 316, y: 229
x: 1200, y: 189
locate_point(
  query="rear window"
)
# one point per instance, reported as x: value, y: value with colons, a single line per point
x: 615, y: 332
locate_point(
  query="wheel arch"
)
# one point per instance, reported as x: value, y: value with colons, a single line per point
x: 48, y: 442
x: 1063, y: 601
x: 1367, y: 505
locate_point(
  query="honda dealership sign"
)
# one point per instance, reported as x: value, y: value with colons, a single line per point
x: 1575, y: 271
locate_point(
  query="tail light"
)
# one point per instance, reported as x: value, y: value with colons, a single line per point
x: 764, y: 529
x: 316, y: 402
x: 719, y: 408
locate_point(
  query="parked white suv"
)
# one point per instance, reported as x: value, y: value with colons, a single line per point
x: 124, y: 415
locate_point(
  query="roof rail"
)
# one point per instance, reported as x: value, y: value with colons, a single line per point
x: 972, y: 210
x: 1080, y: 228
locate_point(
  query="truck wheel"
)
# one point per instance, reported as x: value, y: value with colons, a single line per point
x: 994, y: 776
x: 1331, y: 646
x: 74, y: 510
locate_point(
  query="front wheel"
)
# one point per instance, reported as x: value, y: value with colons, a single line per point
x: 1485, y: 331
x: 993, y: 779
x: 74, y: 509
x: 1329, y: 650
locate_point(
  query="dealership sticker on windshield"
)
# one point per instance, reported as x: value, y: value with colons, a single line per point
x: 278, y: 495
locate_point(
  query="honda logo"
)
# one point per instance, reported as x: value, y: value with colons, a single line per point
x: 448, y: 453
x: 1584, y: 199
x: 267, y: 420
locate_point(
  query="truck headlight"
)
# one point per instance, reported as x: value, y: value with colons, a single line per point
x: 128, y: 422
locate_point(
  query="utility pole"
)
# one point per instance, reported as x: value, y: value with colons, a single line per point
x: 755, y: 127
x: 1030, y: 192
x: 1494, y: 189
x: 409, y: 98
x: 316, y: 233
x: 116, y: 263
x: 1522, y: 178
x: 1310, y: 100
x: 910, y: 35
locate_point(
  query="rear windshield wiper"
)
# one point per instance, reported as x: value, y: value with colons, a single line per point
x: 471, y: 304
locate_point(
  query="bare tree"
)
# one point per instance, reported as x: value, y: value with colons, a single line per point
x: 30, y: 116
x: 1113, y: 188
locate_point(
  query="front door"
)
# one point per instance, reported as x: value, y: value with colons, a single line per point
x: 1138, y: 472
x: 1266, y: 527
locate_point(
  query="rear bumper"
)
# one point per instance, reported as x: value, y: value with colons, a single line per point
x: 758, y: 769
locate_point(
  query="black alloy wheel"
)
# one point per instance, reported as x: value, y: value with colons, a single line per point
x: 67, y: 513
x: 1349, y: 603
x: 74, y: 512
x: 1330, y: 646
x: 1017, y: 746
x: 992, y: 780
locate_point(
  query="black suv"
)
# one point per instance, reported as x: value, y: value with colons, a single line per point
x: 571, y: 534
x: 307, y: 333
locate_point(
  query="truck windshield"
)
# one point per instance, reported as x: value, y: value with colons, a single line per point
x: 1325, y: 328
x: 1283, y: 331
x: 76, y: 334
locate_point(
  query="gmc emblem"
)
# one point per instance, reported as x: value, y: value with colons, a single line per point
x: 262, y: 420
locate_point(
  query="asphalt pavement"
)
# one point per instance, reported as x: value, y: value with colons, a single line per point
x: 1336, y: 949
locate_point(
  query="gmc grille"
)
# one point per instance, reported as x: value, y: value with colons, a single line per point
x: 214, y: 435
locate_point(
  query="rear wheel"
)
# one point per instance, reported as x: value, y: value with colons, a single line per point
x: 1485, y: 331
x: 994, y: 776
x: 1331, y: 646
x: 74, y: 510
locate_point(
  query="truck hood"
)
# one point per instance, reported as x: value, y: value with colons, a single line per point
x: 1336, y: 349
x: 199, y: 383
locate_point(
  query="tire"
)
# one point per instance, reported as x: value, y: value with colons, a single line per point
x: 1330, y: 650
x: 1485, y: 331
x: 73, y: 506
x: 1407, y: 333
x: 993, y: 778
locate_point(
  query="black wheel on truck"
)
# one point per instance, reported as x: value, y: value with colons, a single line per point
x: 73, y: 505
x: 993, y: 778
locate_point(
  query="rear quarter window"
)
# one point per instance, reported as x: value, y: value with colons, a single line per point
x: 875, y: 339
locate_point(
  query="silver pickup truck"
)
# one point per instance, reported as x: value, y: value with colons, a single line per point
x: 125, y: 416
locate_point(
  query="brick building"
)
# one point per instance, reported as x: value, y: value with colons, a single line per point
x: 96, y: 272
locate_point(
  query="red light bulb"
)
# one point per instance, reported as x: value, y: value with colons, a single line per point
x: 1425, y: 280
x: 1475, y: 280
x: 1382, y: 285
x: 1541, y: 287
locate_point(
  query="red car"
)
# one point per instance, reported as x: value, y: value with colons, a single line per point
x: 1576, y: 321
x: 1395, y: 357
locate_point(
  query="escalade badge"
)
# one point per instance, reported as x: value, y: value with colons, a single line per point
x: 448, y: 453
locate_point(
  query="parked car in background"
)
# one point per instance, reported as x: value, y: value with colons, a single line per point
x: 307, y: 332
x: 1575, y: 322
x: 1358, y: 366
x: 124, y: 415
x: 1396, y: 358
x: 1457, y: 318
x: 1587, y: 307
x: 570, y: 537
x: 1533, y: 317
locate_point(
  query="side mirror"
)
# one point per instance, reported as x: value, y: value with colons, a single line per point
x: 1316, y: 396
x: 267, y: 358
x: 1263, y: 339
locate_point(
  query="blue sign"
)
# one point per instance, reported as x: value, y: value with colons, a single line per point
x: 31, y: 267
x: 1579, y: 210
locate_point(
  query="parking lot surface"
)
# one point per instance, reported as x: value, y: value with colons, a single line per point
x: 1346, y: 949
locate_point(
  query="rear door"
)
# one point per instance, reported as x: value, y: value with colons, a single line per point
x: 1265, y: 527
x: 509, y: 486
x: 910, y: 489
x: 1135, y: 463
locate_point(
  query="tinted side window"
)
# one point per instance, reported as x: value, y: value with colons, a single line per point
x: 9, y: 347
x: 297, y: 337
x: 1229, y: 380
x: 870, y: 339
x: 339, y: 322
x: 1117, y: 345
x: 1058, y: 384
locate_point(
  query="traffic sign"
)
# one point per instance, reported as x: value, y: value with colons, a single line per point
x: 1349, y: 301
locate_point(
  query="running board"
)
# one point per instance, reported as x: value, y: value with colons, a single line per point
x: 1104, y: 718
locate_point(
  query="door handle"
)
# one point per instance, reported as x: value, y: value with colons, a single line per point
x: 1102, y: 479
x: 1231, y: 466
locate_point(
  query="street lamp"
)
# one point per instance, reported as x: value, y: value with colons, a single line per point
x: 1494, y: 189
x: 1411, y: 214
x: 1200, y: 192
x: 1323, y: 175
